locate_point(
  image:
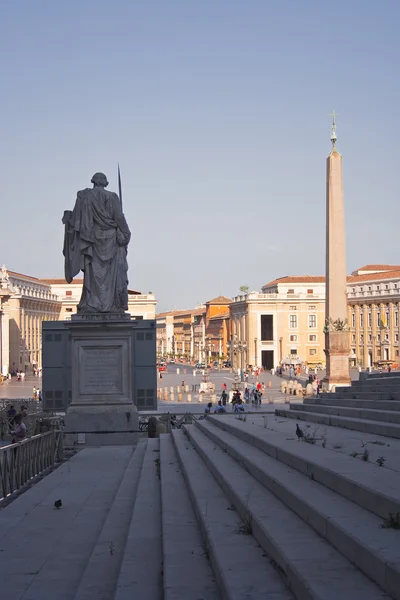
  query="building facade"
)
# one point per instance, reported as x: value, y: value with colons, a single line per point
x: 28, y: 301
x: 25, y: 303
x: 217, y: 328
x: 140, y: 306
x: 373, y: 296
x: 283, y: 324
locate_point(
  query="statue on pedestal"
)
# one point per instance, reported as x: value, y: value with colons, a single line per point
x: 95, y: 242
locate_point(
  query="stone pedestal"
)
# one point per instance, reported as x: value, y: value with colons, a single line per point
x: 102, y: 409
x: 337, y: 350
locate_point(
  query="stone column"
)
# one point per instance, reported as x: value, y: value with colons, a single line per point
x: 337, y: 341
x: 5, y: 341
x: 366, y: 334
x: 357, y: 331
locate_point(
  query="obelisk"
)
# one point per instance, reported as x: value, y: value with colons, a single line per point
x: 337, y: 336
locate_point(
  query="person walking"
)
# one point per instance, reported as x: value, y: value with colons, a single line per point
x: 224, y: 397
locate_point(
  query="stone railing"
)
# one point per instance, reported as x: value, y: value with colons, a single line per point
x: 20, y: 463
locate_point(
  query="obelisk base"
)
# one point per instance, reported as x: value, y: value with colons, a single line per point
x: 337, y: 350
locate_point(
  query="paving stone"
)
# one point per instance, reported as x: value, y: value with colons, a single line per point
x: 61, y: 540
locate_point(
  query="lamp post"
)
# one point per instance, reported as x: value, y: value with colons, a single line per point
x: 255, y: 352
x: 280, y: 350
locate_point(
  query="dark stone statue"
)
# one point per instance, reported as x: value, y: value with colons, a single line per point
x: 95, y: 242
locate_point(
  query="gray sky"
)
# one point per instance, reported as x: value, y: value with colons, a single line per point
x: 217, y: 112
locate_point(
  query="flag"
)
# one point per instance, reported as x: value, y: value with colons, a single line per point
x: 383, y: 321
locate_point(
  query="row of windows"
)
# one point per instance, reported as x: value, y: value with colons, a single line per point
x: 291, y: 291
x: 378, y: 319
x: 311, y: 307
x: 378, y: 287
x: 311, y: 338
x: 378, y: 337
x: 311, y: 351
x: 312, y: 321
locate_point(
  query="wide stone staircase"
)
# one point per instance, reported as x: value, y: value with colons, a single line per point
x: 371, y: 405
x: 226, y: 508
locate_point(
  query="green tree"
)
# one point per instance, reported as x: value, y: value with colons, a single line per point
x: 244, y: 289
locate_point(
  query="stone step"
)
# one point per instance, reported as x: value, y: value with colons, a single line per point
x: 381, y: 380
x: 310, y: 566
x: 140, y: 574
x: 330, y: 400
x: 100, y: 577
x: 386, y: 416
x: 353, y: 531
x: 373, y: 376
x: 365, y: 425
x: 369, y: 486
x: 241, y: 568
x: 363, y: 395
x: 49, y: 556
x: 378, y: 389
x: 187, y: 570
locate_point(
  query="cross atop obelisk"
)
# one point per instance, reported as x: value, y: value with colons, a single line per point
x: 337, y: 341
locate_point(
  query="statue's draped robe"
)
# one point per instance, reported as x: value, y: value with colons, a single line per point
x: 96, y: 239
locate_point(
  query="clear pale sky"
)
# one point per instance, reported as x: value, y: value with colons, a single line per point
x: 217, y: 111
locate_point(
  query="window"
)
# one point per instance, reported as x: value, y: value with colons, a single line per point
x: 353, y: 337
x: 361, y: 289
x: 361, y: 337
x: 378, y: 337
x: 386, y: 287
x: 290, y: 291
x: 378, y: 287
x: 361, y: 320
x: 378, y: 319
x: 396, y: 337
x: 387, y: 320
x: 293, y: 338
x: 396, y: 319
x: 68, y: 293
x: 369, y: 288
x: 313, y: 351
x: 310, y: 291
x: 293, y: 321
x: 312, y: 338
x: 353, y: 320
x: 293, y: 351
x: 397, y: 352
x: 267, y: 327
x: 369, y: 319
x: 312, y: 321
x: 68, y: 310
x: 370, y: 337
x: 386, y: 336
x: 292, y: 307
x: 312, y: 307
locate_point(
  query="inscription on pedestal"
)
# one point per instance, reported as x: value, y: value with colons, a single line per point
x: 101, y: 370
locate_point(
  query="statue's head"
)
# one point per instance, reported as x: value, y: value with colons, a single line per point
x: 99, y: 179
